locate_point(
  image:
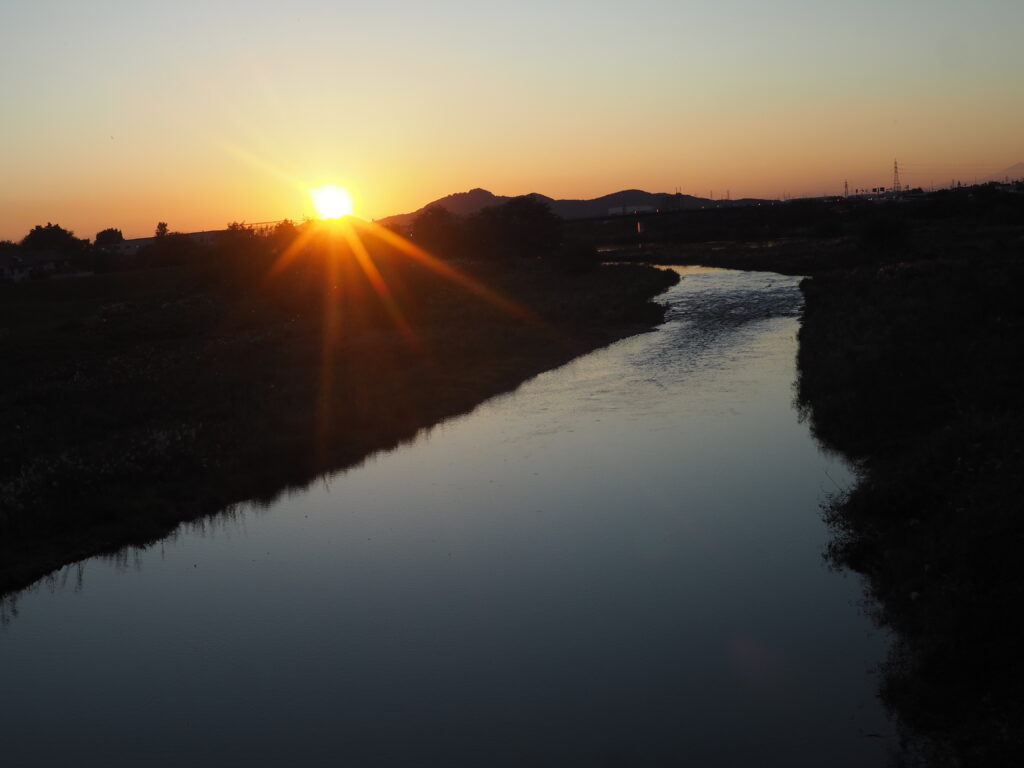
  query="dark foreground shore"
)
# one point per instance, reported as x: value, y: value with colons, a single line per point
x: 916, y: 371
x: 133, y: 401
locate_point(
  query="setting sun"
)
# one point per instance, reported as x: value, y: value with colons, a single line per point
x: 331, y: 201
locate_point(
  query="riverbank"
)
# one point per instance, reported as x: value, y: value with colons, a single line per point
x: 910, y: 365
x: 887, y: 242
x: 913, y: 369
x: 137, y: 400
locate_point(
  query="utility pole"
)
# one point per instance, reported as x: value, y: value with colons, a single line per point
x: 846, y: 188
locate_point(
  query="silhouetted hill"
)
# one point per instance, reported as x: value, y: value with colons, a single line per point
x: 1014, y: 172
x: 465, y: 203
x: 626, y: 199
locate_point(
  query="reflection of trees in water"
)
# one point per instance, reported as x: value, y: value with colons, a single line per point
x: 132, y: 557
x: 934, y: 523
x: 940, y: 558
x: 69, y: 577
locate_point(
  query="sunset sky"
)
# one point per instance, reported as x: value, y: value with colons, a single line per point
x: 196, y: 113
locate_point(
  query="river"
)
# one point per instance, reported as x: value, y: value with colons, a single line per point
x: 618, y: 564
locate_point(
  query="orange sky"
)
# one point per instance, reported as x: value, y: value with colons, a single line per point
x: 122, y: 116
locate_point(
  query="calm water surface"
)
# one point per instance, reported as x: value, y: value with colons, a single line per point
x: 620, y: 564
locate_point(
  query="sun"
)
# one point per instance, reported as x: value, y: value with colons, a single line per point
x: 331, y: 201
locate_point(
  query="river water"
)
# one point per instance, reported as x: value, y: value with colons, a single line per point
x: 619, y: 564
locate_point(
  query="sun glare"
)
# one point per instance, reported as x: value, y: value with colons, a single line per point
x: 331, y: 201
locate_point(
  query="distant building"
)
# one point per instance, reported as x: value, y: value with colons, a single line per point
x: 23, y: 265
x: 206, y: 238
x: 133, y: 246
x: 128, y: 247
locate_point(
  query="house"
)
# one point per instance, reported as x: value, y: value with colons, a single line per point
x: 16, y: 266
x: 131, y: 247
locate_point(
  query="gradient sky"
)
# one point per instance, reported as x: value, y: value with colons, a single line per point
x: 119, y: 113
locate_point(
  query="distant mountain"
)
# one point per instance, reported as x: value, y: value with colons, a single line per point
x: 1012, y: 173
x: 626, y: 201
x: 465, y: 203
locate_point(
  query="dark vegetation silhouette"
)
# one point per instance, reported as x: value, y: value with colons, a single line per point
x: 49, y: 248
x: 439, y: 230
x: 108, y: 237
x: 522, y: 228
x: 807, y: 237
x: 167, y: 249
x: 53, y: 237
x: 910, y: 363
x: 192, y: 377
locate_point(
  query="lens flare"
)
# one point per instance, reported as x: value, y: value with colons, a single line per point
x: 331, y: 201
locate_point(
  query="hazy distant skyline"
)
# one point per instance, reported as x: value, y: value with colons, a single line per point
x: 124, y: 113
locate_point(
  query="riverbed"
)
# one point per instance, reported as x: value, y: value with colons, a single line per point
x: 619, y: 563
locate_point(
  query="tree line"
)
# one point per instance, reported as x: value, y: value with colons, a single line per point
x: 522, y: 228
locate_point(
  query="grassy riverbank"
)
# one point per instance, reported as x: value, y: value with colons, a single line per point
x: 913, y: 367
x: 911, y: 364
x: 133, y: 401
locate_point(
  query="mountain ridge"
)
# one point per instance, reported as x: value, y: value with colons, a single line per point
x: 473, y: 200
x: 1014, y: 172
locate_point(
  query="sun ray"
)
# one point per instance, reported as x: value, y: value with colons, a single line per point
x: 268, y: 168
x: 289, y: 254
x: 365, y: 261
x: 446, y: 270
x: 332, y: 322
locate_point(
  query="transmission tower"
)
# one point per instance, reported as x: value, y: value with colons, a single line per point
x: 896, y: 177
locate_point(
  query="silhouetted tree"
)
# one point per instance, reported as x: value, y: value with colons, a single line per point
x: 284, y: 232
x: 241, y: 255
x: 439, y: 230
x: 283, y: 235
x: 524, y: 227
x: 237, y: 236
x: 577, y: 257
x: 161, y: 229
x: 53, y: 237
x: 398, y: 228
x: 109, y: 236
x: 171, y: 248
